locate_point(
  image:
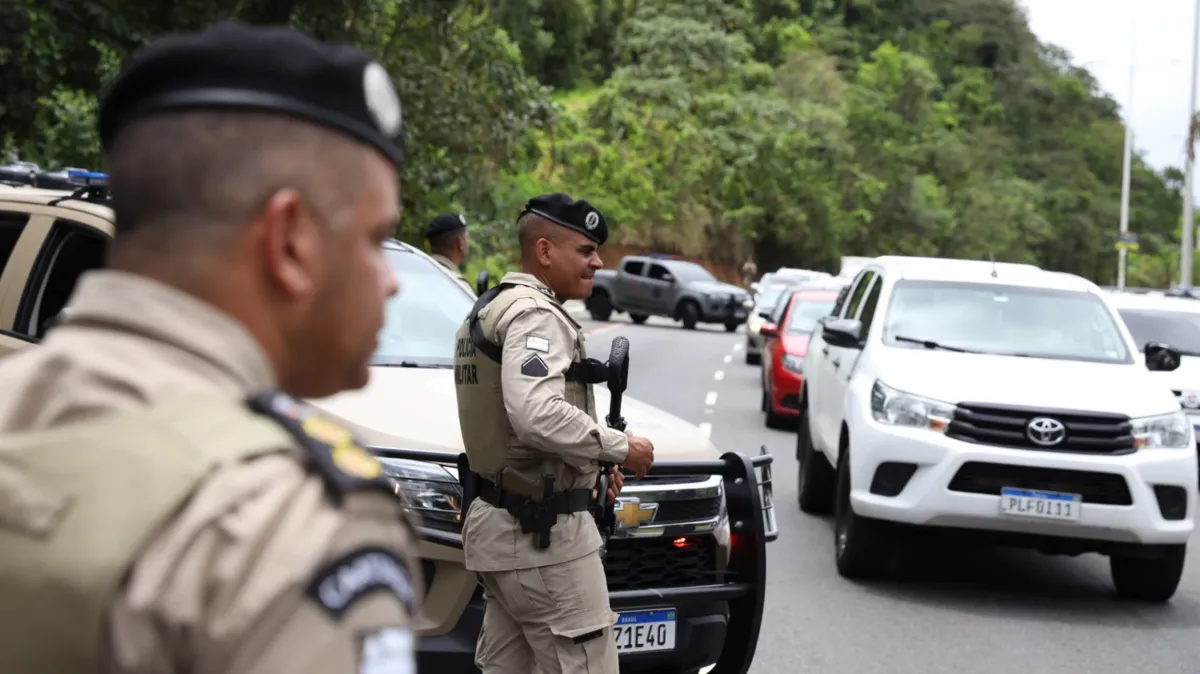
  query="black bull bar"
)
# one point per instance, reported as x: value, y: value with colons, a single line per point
x: 750, y: 505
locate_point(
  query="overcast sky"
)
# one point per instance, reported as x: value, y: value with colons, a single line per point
x: 1107, y: 36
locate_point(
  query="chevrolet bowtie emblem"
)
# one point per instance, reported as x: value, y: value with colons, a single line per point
x: 632, y: 513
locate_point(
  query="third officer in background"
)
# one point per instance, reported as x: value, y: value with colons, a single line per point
x: 528, y: 419
x: 166, y: 505
x: 448, y: 243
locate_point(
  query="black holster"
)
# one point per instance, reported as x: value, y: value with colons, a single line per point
x: 469, y: 482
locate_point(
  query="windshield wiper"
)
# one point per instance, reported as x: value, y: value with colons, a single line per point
x: 930, y: 344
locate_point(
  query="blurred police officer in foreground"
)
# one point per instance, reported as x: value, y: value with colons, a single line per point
x: 161, y: 510
x: 528, y: 421
x: 449, y: 241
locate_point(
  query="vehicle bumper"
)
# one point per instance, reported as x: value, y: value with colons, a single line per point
x: 724, y: 311
x: 957, y: 484
x: 785, y: 392
x: 702, y: 621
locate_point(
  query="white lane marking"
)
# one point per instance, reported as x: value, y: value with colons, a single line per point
x: 710, y: 399
x: 737, y: 347
x: 728, y: 359
x: 706, y: 429
x: 719, y: 375
x: 708, y: 669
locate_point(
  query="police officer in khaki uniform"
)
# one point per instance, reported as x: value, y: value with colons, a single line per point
x: 528, y: 419
x: 165, y: 504
x: 449, y: 241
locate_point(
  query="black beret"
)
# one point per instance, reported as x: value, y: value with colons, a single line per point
x: 579, y: 216
x: 232, y: 65
x: 444, y: 224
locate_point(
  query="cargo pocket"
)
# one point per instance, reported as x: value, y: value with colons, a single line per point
x: 586, y: 645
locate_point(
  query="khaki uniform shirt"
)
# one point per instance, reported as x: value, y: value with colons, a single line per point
x: 454, y: 271
x: 222, y: 587
x: 542, y: 418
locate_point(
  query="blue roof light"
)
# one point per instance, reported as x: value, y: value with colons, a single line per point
x: 87, y: 177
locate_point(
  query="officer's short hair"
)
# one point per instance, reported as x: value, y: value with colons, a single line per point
x: 206, y: 169
x: 445, y: 240
x: 531, y: 227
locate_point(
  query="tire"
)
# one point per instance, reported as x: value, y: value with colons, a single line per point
x: 765, y: 402
x: 816, y: 481
x: 862, y: 547
x: 1150, y: 580
x: 638, y: 318
x: 753, y: 358
x: 690, y: 313
x: 600, y: 306
x: 731, y: 327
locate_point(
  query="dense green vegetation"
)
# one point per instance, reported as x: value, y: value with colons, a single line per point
x: 796, y: 130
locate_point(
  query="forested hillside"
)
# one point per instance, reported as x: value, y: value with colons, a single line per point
x: 794, y: 130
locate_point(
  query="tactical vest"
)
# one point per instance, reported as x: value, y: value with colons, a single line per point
x: 489, y: 440
x: 79, y: 502
x: 454, y: 272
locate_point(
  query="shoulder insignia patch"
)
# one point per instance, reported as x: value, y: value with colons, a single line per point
x: 343, y: 462
x: 358, y: 574
x: 534, y: 366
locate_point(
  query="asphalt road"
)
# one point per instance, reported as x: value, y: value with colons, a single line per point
x: 948, y: 610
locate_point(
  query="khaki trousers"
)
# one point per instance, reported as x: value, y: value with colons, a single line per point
x: 556, y: 618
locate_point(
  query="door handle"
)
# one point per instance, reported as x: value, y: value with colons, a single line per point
x: 825, y: 350
x: 837, y: 362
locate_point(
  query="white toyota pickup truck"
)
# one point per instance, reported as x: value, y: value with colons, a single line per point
x: 998, y: 401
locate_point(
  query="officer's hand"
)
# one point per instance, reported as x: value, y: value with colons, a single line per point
x: 615, y: 484
x: 641, y: 456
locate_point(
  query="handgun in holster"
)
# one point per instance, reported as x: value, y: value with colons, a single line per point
x: 537, y: 517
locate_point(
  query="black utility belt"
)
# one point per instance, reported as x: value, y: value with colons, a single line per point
x: 536, y: 517
x: 559, y: 503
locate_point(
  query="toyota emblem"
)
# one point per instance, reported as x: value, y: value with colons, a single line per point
x: 1045, y: 431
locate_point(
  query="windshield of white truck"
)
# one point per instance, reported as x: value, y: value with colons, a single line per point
x: 1003, y: 320
x: 1180, y: 329
x: 421, y: 321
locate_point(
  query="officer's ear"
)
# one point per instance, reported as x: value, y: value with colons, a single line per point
x: 291, y: 243
x: 543, y: 251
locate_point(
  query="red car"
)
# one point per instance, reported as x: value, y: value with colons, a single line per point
x: 784, y: 350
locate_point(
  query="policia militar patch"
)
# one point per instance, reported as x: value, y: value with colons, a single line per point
x: 358, y: 574
x: 340, y: 459
x: 534, y: 366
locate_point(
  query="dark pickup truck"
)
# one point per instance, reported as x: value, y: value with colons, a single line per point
x: 645, y: 286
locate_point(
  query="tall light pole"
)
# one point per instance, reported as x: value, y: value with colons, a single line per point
x: 1127, y: 167
x: 1188, y: 243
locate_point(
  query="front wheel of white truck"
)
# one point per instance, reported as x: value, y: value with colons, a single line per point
x: 862, y: 546
x: 1148, y: 579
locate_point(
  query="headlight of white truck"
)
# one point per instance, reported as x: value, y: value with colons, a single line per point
x: 1163, y: 431
x: 897, y: 408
